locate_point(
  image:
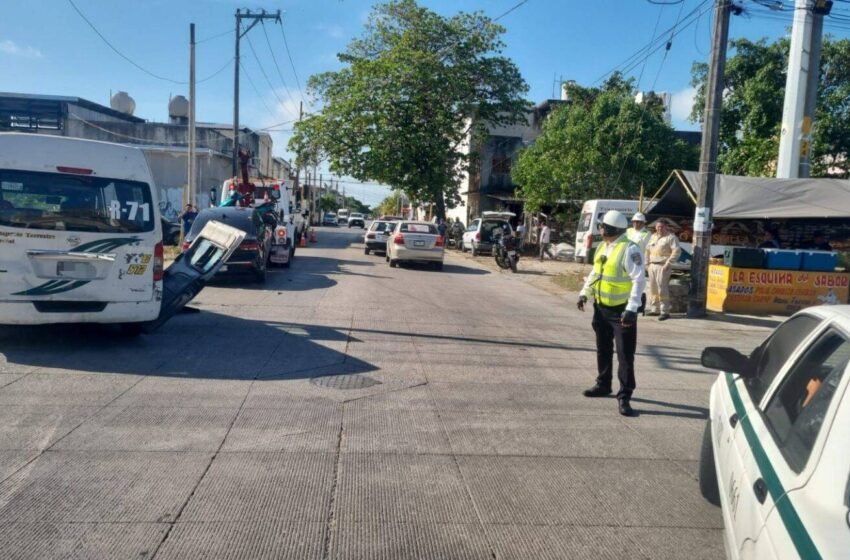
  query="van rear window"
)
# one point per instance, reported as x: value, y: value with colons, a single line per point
x: 57, y: 201
x: 584, y: 222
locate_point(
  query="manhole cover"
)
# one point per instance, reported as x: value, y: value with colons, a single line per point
x: 346, y: 381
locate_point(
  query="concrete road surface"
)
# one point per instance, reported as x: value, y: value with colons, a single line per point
x: 349, y: 410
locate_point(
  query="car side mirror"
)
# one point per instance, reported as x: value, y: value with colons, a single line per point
x: 726, y: 359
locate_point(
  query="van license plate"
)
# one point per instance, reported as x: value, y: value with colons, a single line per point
x: 418, y: 243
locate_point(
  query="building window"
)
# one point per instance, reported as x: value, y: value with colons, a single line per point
x: 501, y: 164
x: 25, y: 114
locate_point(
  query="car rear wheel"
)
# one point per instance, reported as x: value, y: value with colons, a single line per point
x: 580, y: 260
x: 707, y: 471
x: 474, y: 251
x: 393, y: 263
x: 366, y: 250
x: 260, y: 274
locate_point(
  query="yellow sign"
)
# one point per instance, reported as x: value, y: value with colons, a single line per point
x: 749, y: 290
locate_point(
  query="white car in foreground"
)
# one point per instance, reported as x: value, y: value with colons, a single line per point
x: 776, y: 450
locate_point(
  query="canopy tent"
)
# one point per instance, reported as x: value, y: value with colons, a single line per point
x: 740, y: 198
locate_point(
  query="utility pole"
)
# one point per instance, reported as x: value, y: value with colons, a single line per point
x: 708, y: 159
x: 298, y: 169
x: 255, y: 19
x: 795, y: 141
x: 193, y: 174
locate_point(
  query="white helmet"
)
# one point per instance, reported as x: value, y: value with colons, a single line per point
x: 615, y: 219
x: 639, y: 217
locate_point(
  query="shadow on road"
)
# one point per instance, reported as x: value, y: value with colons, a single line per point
x: 192, y: 345
x: 677, y: 410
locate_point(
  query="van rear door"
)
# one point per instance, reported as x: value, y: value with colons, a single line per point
x: 74, y: 236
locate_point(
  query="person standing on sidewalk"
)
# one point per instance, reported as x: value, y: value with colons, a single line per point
x: 543, y: 240
x: 616, y: 284
x: 661, y: 252
x: 520, y: 232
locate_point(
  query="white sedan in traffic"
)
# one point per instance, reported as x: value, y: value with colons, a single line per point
x: 776, y: 449
x: 415, y: 242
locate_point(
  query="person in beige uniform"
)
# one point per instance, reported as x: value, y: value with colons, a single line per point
x: 661, y: 252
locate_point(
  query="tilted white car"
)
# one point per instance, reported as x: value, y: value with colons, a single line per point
x: 776, y: 450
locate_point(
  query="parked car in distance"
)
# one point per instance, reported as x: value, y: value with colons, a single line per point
x: 415, y: 242
x: 356, y: 219
x: 329, y: 219
x: 776, y: 448
x: 478, y: 237
x: 252, y: 255
x: 375, y: 238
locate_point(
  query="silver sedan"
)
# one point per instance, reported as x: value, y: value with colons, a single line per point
x: 416, y: 242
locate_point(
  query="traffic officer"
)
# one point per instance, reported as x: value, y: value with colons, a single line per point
x: 661, y: 252
x: 639, y: 235
x: 616, y: 284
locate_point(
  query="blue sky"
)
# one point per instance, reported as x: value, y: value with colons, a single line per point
x: 47, y: 48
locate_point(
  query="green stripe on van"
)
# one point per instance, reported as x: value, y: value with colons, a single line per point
x: 793, y: 524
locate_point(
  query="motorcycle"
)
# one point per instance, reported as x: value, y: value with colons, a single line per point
x: 505, y: 251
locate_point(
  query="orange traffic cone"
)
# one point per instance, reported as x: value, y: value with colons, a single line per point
x: 303, y: 242
x: 312, y: 236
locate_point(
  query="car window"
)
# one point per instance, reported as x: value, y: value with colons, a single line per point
x: 774, y: 352
x: 796, y: 412
x: 473, y: 226
x: 380, y: 226
x: 239, y: 220
x: 419, y: 228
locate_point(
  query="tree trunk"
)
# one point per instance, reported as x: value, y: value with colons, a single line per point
x: 441, y: 206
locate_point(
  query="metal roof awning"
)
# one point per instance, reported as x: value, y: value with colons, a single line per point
x: 740, y: 198
x: 505, y: 198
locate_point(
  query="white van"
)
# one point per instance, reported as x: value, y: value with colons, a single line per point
x: 342, y: 216
x: 80, y: 234
x: 587, y: 234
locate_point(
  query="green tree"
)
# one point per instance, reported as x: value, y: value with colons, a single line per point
x: 751, y: 115
x: 412, y: 90
x: 602, y: 144
x: 390, y: 205
x: 355, y: 205
x: 327, y: 203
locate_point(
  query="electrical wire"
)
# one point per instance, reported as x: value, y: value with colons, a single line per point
x: 517, y: 6
x: 292, y: 65
x: 216, y: 36
x: 276, y: 65
x: 256, y: 90
x: 266, y: 76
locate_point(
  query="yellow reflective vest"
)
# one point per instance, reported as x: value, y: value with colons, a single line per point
x: 615, y: 285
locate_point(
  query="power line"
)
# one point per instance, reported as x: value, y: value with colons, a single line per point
x: 263, y: 71
x: 292, y: 64
x: 216, y: 36
x: 511, y: 10
x: 118, y: 52
x: 257, y: 91
x: 276, y: 65
x: 214, y: 74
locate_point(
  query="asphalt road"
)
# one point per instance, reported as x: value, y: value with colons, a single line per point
x: 349, y: 410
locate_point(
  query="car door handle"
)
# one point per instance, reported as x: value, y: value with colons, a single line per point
x: 760, y: 490
x: 733, y: 420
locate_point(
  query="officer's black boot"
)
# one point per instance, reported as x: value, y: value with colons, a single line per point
x: 626, y: 408
x: 597, y: 391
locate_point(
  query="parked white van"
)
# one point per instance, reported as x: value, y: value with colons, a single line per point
x: 587, y: 234
x: 80, y: 235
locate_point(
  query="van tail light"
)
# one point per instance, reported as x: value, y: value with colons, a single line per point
x: 588, y: 241
x: 280, y: 232
x: 398, y: 239
x: 186, y: 245
x: 440, y: 241
x: 158, y: 262
x: 478, y: 236
x: 370, y: 236
x: 248, y: 246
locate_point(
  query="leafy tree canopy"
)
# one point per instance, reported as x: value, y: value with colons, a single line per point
x: 414, y: 86
x: 390, y: 205
x: 328, y: 203
x: 751, y: 116
x: 601, y: 144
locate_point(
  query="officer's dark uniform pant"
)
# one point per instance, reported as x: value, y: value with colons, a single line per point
x: 606, y: 325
